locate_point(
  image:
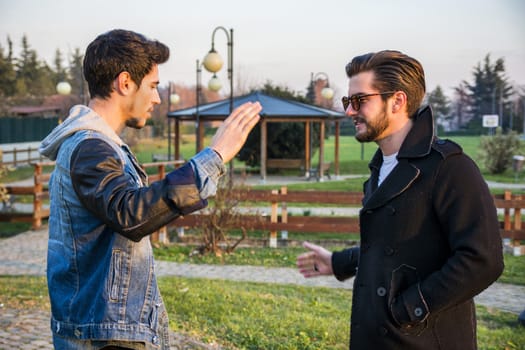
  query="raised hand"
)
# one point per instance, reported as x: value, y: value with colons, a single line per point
x: 232, y: 134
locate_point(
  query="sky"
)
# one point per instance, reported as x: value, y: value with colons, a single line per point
x: 285, y: 41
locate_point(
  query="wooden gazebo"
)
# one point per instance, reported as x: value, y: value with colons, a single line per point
x: 275, y: 110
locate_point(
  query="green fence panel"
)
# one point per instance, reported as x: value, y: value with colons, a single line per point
x: 25, y: 129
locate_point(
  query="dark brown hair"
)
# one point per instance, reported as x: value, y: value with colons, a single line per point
x: 120, y: 51
x: 393, y: 71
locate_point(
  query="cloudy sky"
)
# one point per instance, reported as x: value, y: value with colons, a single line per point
x: 284, y: 41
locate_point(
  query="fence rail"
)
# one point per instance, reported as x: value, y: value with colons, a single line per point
x: 512, y: 226
x: 20, y: 156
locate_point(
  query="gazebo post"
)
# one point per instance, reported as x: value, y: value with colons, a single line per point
x: 336, y: 149
x: 264, y: 155
x: 321, y: 149
x: 177, y: 139
x: 307, y: 149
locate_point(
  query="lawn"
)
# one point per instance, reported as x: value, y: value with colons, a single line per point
x: 243, y: 315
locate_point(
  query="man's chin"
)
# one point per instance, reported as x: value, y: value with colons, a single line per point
x: 136, y: 123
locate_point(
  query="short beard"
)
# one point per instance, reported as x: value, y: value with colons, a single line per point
x: 135, y: 123
x: 373, y: 132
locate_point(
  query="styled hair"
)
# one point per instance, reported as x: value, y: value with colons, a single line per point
x: 120, y: 51
x: 393, y: 71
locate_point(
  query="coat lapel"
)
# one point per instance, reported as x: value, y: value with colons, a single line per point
x: 399, y: 180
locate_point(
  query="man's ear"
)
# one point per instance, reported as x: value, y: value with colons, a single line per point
x: 399, y: 102
x: 123, y: 84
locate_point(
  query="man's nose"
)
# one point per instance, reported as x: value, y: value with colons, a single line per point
x: 156, y: 98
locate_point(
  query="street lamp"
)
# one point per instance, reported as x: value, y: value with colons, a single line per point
x: 214, y: 85
x: 327, y: 93
x: 213, y: 63
x: 173, y: 100
x: 63, y: 88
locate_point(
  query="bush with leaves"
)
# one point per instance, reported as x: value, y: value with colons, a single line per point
x: 497, y: 151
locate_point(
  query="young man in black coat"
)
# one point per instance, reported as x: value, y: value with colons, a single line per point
x: 429, y: 231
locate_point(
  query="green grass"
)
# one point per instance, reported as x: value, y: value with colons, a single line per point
x: 9, y: 229
x: 514, y: 270
x: 260, y: 256
x: 244, y: 315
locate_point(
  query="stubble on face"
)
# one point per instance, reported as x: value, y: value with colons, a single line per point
x: 374, y: 128
x: 135, y: 123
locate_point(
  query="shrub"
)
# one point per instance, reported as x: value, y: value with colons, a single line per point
x: 497, y: 151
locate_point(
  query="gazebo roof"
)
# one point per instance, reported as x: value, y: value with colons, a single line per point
x: 273, y: 107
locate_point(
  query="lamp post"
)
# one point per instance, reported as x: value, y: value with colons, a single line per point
x: 198, y: 92
x: 173, y: 100
x: 327, y: 93
x: 213, y: 63
x: 63, y: 88
x: 214, y: 85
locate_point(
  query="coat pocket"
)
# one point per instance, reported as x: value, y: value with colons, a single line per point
x: 407, y: 306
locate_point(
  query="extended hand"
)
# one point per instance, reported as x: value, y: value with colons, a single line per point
x: 316, y: 262
x: 232, y: 134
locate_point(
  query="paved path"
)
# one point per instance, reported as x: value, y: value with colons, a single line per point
x: 25, y: 254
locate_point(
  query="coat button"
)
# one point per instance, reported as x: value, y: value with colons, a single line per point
x: 382, y: 331
x: 381, y: 291
x: 418, y: 311
x: 389, y: 251
x: 155, y: 339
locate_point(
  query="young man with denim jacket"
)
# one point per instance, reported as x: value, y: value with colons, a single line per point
x: 101, y: 275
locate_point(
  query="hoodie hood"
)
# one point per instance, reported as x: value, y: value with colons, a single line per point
x: 80, y: 118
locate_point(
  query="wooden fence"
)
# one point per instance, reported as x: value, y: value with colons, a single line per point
x: 512, y: 226
x: 20, y: 156
x: 40, y: 193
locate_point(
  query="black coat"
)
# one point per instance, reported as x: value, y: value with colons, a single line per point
x: 429, y: 243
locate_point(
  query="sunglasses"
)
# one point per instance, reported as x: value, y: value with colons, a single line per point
x: 355, y: 100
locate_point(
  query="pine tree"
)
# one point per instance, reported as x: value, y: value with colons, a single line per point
x: 490, y: 93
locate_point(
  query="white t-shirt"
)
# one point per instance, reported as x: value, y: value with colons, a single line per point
x: 389, y: 163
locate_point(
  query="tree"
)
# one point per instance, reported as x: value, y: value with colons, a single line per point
x: 461, y: 105
x: 7, y: 71
x: 490, y: 92
x: 76, y: 75
x: 440, y: 107
x: 60, y: 71
x: 33, y: 77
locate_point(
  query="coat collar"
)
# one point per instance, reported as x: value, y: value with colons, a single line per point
x: 417, y: 144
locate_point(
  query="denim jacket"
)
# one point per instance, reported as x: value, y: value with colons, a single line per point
x: 101, y: 274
